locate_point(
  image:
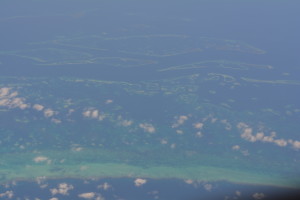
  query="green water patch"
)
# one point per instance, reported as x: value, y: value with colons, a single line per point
x: 73, y: 165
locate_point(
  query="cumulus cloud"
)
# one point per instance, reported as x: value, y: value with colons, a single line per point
x: 208, y: 187
x: 101, y: 117
x: 258, y: 196
x: 108, y: 101
x: 173, y: 146
x: 4, y: 91
x: 235, y: 147
x: 199, y: 134
x: 247, y: 135
x: 10, y: 100
x: 40, y: 179
x: 238, y: 193
x: 126, y: 123
x: 164, y: 141
x: 23, y: 106
x: 87, y: 113
x: 4, y: 102
x: 71, y: 111
x: 49, y: 112
x: 104, y: 186
x: 14, y: 94
x: 295, y: 144
x: 18, y: 103
x: 213, y: 120
x: 139, y: 182
x: 41, y: 159
x: 280, y: 142
x: 147, y: 127
x: 38, y: 107
x: 189, y: 181
x: 95, y: 114
x: 8, y: 194
x: 87, y: 195
x: 76, y: 148
x: 227, y: 124
x: 180, y: 121
x: 63, y: 189
x: 198, y: 125
x: 260, y: 136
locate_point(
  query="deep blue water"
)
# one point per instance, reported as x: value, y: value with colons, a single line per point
x: 124, y: 188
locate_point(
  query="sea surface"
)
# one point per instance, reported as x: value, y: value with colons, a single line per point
x: 149, y: 99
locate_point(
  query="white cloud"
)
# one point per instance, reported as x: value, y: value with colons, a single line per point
x: 180, y: 121
x: 296, y: 144
x: 42, y: 159
x: 147, y: 127
x: 95, y: 114
x: 38, y: 107
x: 9, y: 194
x: 139, y: 182
x: 101, y: 117
x: 4, y: 91
x: 258, y: 196
x: 198, y: 125
x: 208, y: 187
x: 268, y: 139
x: 23, y: 106
x: 189, y: 181
x: 14, y: 94
x: 63, y: 189
x: 213, y: 120
x: 49, y: 112
x: 260, y: 136
x: 199, y: 134
x: 76, y: 148
x: 87, y: 113
x: 235, y: 147
x: 280, y: 142
x: 87, y: 195
x: 247, y: 135
x: 227, y: 124
x: 108, y: 101
x: 238, y: 193
x: 4, y: 102
x: 40, y: 179
x: 126, y: 123
x: 164, y: 141
x: 104, y: 186
x: 241, y: 125
x: 10, y: 100
x: 18, y: 102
